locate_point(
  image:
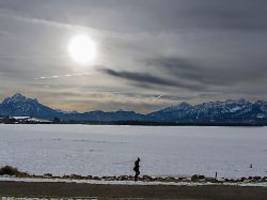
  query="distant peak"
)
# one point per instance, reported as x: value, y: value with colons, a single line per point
x: 184, y: 104
x: 242, y: 101
x: 181, y: 106
x: 18, y: 95
x: 237, y: 101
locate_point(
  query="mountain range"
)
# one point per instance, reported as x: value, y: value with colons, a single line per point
x: 215, y: 112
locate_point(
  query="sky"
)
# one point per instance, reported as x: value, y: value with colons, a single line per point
x: 150, y: 53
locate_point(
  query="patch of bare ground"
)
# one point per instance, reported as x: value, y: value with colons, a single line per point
x: 147, y: 192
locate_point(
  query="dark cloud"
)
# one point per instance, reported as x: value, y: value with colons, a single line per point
x: 195, y: 71
x: 149, y: 79
x: 184, y: 69
x: 179, y: 67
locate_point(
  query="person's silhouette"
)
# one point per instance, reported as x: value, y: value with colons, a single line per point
x: 136, y: 169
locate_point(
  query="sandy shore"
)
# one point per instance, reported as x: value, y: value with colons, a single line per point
x: 113, y: 191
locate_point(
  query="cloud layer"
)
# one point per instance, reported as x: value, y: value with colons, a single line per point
x: 167, y: 51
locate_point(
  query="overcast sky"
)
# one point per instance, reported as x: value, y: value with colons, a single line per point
x: 151, y: 53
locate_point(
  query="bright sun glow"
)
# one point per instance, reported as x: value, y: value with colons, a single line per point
x: 82, y: 49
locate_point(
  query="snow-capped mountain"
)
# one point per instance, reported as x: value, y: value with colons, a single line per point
x: 215, y: 111
x: 229, y: 111
x: 19, y: 105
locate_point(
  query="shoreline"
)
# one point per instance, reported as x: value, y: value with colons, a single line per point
x: 10, y: 173
x: 129, y: 182
x: 168, y: 181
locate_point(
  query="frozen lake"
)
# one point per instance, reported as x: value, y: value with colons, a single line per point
x: 111, y: 150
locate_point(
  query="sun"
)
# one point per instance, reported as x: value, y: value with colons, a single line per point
x: 82, y: 49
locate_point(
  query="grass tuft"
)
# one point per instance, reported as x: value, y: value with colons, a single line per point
x: 12, y: 171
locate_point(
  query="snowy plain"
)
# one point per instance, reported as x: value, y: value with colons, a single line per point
x: 111, y: 150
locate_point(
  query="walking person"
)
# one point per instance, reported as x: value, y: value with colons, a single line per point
x: 136, y: 169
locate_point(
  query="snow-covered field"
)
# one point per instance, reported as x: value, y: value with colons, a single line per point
x: 111, y: 150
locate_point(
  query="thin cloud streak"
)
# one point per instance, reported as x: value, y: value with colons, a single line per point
x: 64, y: 25
x: 63, y: 76
x: 34, y: 20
